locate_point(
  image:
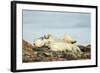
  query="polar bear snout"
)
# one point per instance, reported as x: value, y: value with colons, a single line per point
x: 38, y: 43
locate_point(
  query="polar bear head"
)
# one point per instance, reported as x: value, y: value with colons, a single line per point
x: 42, y: 41
x: 38, y: 43
x: 68, y: 39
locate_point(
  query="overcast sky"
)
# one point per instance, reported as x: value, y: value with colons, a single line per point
x: 36, y: 23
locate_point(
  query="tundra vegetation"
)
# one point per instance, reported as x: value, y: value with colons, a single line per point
x: 47, y: 48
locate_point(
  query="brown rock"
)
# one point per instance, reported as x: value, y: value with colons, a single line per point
x: 26, y: 45
x: 44, y: 54
x: 85, y: 48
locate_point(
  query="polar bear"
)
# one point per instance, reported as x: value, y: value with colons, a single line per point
x: 61, y: 46
x: 67, y: 43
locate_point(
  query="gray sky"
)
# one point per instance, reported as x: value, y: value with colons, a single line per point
x: 37, y: 23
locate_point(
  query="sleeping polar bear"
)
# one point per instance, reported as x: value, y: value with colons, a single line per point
x: 64, y: 44
x: 42, y: 41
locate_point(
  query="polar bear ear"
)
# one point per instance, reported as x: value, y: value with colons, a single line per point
x: 47, y: 35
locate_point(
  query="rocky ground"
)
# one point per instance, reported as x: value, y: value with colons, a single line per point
x: 43, y: 54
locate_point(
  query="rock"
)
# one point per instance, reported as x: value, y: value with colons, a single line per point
x: 70, y: 56
x: 47, y: 54
x: 85, y: 48
x: 28, y: 55
x: 62, y: 59
x: 44, y: 48
x: 86, y: 55
x: 88, y: 46
x: 44, y: 54
x: 26, y: 45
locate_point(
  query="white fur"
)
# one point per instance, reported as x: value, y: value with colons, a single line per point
x: 38, y: 43
x: 67, y: 39
x: 55, y: 45
x: 60, y: 46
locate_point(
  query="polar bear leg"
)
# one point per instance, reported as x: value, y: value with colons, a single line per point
x: 77, y: 51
